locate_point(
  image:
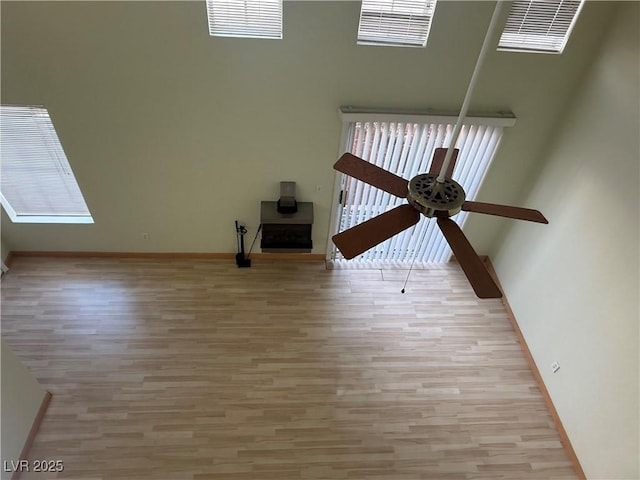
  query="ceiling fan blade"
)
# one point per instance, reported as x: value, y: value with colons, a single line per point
x: 472, y: 266
x: 438, y: 161
x: 362, y: 237
x: 505, y: 211
x: 372, y: 174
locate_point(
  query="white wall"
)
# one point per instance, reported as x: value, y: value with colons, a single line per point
x: 21, y: 400
x: 573, y: 285
x: 177, y: 134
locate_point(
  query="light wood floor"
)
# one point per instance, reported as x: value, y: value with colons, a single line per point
x: 193, y: 369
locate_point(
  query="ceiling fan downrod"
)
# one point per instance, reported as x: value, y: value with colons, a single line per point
x: 470, y: 88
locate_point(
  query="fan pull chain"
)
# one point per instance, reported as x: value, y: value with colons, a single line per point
x: 472, y: 84
x: 424, y: 234
x: 407, y: 279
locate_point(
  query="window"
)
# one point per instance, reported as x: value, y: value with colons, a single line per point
x: 37, y: 184
x: 539, y: 25
x: 395, y: 22
x: 405, y: 146
x: 245, y: 18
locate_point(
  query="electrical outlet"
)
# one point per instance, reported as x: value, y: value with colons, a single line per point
x: 555, y: 366
x: 146, y: 236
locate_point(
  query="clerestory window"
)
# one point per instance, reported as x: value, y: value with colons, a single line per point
x: 542, y: 26
x: 245, y: 18
x: 404, y: 23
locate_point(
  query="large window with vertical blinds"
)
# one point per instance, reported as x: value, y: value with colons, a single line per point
x: 404, y: 145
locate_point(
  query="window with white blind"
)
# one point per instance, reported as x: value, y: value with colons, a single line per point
x: 245, y: 18
x: 405, y: 146
x: 36, y: 184
x: 403, y: 23
x: 540, y: 26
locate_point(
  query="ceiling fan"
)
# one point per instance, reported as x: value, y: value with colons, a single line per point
x: 429, y: 196
x: 433, y: 194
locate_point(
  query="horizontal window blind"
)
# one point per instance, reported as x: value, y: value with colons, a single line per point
x: 407, y: 149
x: 37, y: 184
x: 245, y: 18
x: 539, y: 25
x: 395, y: 22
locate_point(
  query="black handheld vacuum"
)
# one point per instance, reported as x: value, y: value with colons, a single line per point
x: 241, y: 260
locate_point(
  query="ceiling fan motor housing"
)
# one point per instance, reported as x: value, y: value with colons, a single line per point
x: 433, y: 198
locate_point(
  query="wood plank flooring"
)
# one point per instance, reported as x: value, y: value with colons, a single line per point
x: 195, y: 369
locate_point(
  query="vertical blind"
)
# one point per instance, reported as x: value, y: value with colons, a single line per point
x: 406, y: 149
x: 245, y: 18
x: 539, y: 25
x: 36, y: 178
x: 395, y: 22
